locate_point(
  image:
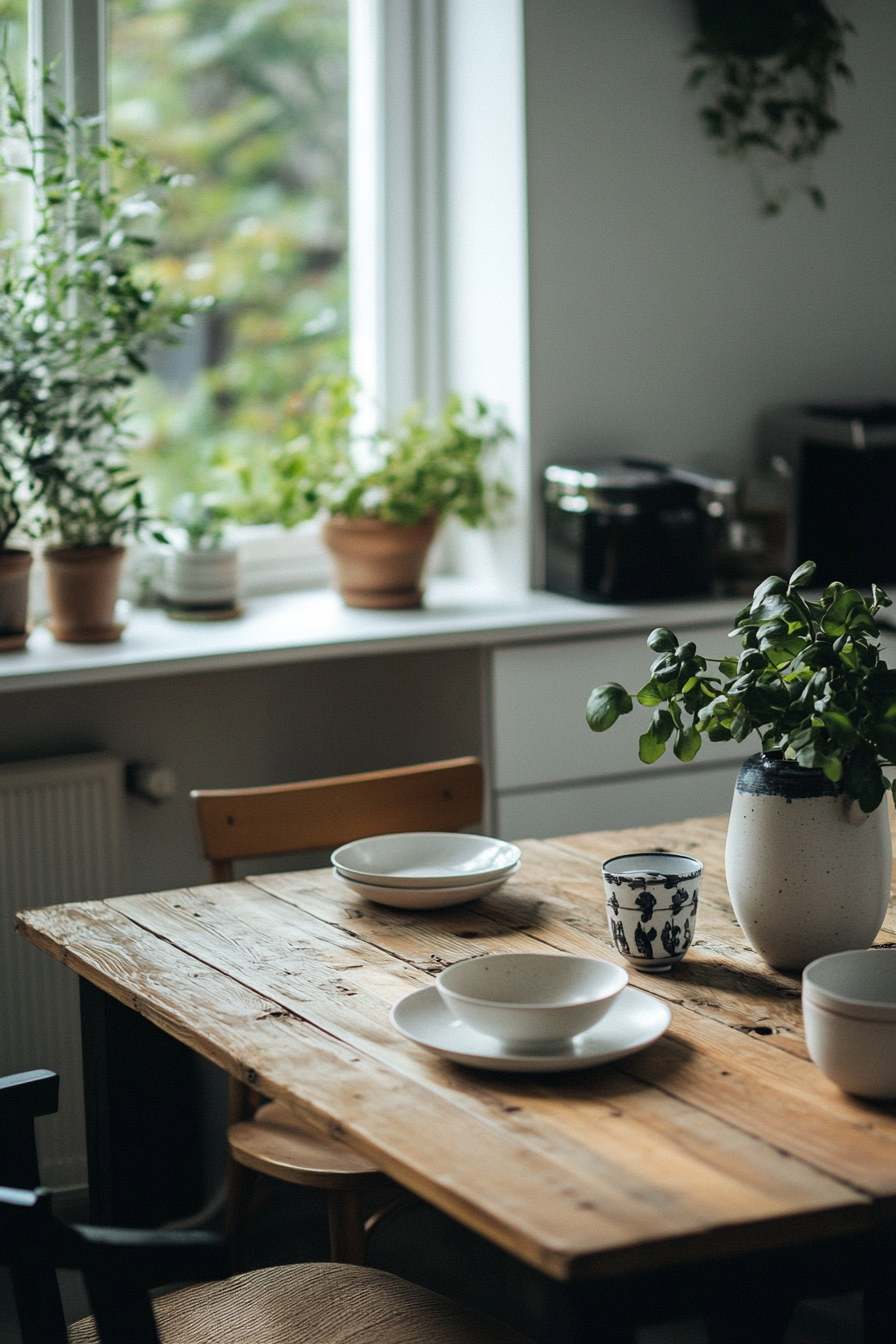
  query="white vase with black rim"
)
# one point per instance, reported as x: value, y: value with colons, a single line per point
x: 808, y: 871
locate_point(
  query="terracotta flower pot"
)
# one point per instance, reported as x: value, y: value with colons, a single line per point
x: 82, y: 582
x: 15, y: 568
x: 379, y: 564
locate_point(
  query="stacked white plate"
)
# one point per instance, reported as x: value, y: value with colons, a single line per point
x: 424, y: 870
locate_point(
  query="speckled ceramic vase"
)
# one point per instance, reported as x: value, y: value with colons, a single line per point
x: 808, y: 872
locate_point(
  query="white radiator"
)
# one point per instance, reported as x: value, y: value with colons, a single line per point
x: 61, y: 839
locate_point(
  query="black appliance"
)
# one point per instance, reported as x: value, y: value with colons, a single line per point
x: 843, y: 463
x: 631, y: 530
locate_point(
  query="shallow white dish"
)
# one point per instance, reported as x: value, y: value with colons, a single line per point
x: 634, y: 1021
x: 528, y: 999
x: 425, y: 859
x: 423, y: 898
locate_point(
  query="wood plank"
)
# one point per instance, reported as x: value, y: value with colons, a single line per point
x: 538, y: 1216
x: 715, y: 1139
x: 556, y: 901
x: 613, y: 1218
x: 251, y: 938
x: 738, y: 1081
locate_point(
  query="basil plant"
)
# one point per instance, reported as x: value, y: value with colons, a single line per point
x: 809, y: 680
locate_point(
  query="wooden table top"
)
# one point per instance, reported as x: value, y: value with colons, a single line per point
x: 721, y: 1137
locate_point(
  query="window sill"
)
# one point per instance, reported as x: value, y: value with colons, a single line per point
x: 314, y: 625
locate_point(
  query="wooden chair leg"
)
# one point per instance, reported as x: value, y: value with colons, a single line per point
x: 346, y: 1227
x: 753, y: 1322
x: 241, y: 1187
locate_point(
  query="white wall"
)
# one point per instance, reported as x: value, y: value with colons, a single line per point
x: 665, y: 314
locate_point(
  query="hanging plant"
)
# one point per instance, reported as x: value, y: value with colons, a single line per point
x: 769, y: 67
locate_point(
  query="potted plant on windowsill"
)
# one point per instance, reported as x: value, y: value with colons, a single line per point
x: 809, y: 856
x: 15, y: 563
x: 76, y: 321
x: 383, y: 496
x: 198, y: 579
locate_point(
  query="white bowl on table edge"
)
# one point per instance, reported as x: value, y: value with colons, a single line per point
x: 425, y: 859
x: 849, y: 1013
x: 858, y: 983
x: 529, y: 998
x: 423, y: 898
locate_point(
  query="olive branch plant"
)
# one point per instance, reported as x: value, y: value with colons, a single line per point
x: 78, y: 316
x: 809, y: 680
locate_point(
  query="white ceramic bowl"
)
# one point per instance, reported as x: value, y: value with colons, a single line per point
x: 849, y: 1011
x: 423, y: 898
x: 425, y: 859
x: 529, y: 998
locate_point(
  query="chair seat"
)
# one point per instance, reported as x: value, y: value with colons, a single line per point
x: 277, y: 1144
x: 308, y: 1304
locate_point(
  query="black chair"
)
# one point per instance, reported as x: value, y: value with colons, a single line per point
x: 288, y: 1304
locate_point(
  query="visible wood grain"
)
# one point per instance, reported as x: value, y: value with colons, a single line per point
x: 565, y: 1207
x: 323, y: 813
x: 721, y: 1137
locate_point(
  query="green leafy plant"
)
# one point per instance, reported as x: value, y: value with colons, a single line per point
x: 809, y: 680
x: 769, y: 70
x: 77, y: 318
x: 423, y: 469
x: 202, y: 520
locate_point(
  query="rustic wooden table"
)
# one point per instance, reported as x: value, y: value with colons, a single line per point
x: 716, y: 1170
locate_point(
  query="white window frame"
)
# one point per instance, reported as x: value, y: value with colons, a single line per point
x: 437, y: 228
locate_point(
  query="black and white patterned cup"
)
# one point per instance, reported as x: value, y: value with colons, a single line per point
x: 652, y: 906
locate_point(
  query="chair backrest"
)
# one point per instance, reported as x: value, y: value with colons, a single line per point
x: 324, y: 813
x: 23, y: 1097
x: 118, y: 1267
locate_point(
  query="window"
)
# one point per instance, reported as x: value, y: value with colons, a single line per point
x: 249, y: 100
x: 250, y: 97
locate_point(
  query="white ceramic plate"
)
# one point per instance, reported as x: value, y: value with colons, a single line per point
x: 635, y: 1020
x: 423, y: 898
x: 425, y: 859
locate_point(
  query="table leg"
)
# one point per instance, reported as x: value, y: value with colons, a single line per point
x: 142, y: 1116
x: 584, y: 1313
x: 879, y: 1298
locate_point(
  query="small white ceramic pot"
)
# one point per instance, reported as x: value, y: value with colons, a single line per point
x: 808, y: 872
x: 849, y: 1011
x: 652, y: 906
x: 199, y: 580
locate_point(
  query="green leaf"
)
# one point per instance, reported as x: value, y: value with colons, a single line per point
x: 880, y: 597
x: 833, y: 768
x: 803, y: 575
x: 650, y: 695
x: 649, y: 748
x: 728, y: 667
x: 840, y: 729
x: 605, y: 705
x: 662, y: 725
x: 687, y: 744
x: 662, y: 640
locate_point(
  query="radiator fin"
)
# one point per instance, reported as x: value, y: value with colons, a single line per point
x: 61, y: 839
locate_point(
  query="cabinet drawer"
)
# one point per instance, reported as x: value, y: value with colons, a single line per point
x: 539, y: 693
x: 616, y: 804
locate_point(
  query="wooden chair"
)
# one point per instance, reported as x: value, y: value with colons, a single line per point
x: 265, y: 1137
x: 289, y: 1304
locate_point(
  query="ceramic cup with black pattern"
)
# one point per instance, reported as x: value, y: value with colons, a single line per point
x: 652, y: 906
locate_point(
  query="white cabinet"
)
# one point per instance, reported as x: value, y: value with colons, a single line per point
x: 551, y: 775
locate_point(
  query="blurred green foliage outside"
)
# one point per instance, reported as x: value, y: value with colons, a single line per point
x: 249, y: 100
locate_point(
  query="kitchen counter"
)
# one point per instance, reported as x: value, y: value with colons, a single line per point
x: 311, y: 626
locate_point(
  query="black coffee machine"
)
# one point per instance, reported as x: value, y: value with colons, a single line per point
x: 631, y: 530
x: 843, y: 465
